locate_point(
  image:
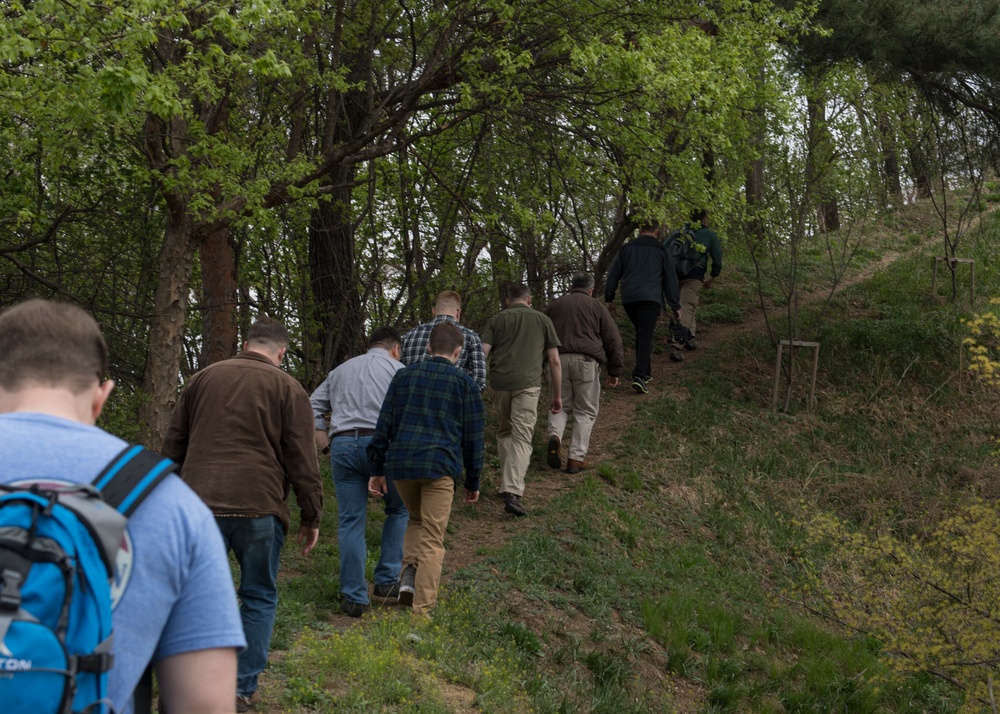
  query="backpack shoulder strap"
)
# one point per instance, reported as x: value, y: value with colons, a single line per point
x: 130, y: 476
x: 125, y: 482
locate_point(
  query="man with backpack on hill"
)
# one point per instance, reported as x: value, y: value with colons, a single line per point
x: 242, y: 432
x: 647, y: 275
x: 172, y: 595
x: 695, y: 246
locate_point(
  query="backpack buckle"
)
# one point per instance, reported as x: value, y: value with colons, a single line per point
x: 95, y: 663
x: 10, y: 594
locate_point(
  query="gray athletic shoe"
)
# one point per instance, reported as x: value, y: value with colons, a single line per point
x: 406, y: 585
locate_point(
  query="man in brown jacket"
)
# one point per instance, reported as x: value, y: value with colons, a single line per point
x: 242, y: 431
x: 589, y: 336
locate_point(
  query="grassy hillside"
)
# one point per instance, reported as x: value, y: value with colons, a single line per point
x: 667, y: 578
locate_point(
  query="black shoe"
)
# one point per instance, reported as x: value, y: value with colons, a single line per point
x: 639, y: 385
x: 353, y: 609
x: 406, y: 585
x: 676, y: 356
x: 389, y: 591
x: 513, y: 505
x: 691, y: 344
x: 554, y: 460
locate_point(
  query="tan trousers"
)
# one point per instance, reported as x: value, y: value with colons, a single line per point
x: 517, y: 412
x: 429, y: 502
x: 581, y: 397
x: 690, y: 295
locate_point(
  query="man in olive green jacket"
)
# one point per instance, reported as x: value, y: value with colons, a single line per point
x: 516, y: 341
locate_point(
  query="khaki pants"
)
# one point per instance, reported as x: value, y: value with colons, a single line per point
x: 690, y: 295
x: 581, y: 397
x: 517, y: 411
x: 429, y: 502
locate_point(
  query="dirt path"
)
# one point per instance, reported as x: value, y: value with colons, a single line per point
x: 489, y: 527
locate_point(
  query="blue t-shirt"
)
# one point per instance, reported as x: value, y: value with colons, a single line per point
x: 173, y: 589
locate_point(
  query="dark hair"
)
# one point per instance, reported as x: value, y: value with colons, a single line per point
x: 649, y: 226
x: 699, y: 215
x: 51, y: 344
x: 445, y: 339
x: 518, y: 292
x: 582, y: 280
x: 269, y: 331
x: 384, y: 337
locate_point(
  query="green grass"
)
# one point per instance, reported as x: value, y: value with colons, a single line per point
x: 666, y: 578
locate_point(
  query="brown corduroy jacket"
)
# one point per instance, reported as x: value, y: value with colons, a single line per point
x: 242, y: 432
x: 586, y: 327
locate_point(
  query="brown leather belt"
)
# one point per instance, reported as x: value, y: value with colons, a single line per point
x: 353, y: 432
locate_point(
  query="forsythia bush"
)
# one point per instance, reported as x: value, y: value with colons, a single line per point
x: 983, y: 345
x: 933, y: 602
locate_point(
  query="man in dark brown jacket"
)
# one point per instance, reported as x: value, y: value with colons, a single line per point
x: 242, y: 432
x: 589, y: 336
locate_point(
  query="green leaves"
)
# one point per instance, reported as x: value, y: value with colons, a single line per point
x: 120, y: 87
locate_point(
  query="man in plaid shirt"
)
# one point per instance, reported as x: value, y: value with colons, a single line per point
x: 448, y: 309
x: 430, y: 427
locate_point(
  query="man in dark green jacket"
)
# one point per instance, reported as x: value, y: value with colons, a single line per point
x: 692, y: 283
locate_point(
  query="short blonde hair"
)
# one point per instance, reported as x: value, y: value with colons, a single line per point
x: 448, y: 299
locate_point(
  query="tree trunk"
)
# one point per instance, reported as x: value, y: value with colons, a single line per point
x: 337, y: 313
x: 166, y: 335
x: 920, y: 164
x: 620, y: 232
x: 819, y: 166
x: 828, y: 215
x: 890, y: 161
x: 754, y: 227
x: 219, y: 298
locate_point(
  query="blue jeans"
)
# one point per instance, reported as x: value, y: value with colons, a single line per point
x: 351, y: 471
x: 257, y: 543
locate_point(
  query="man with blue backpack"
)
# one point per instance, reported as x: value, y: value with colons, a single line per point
x: 71, y: 572
x: 691, y: 250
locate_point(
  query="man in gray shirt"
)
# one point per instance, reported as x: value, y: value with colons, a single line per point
x: 352, y: 395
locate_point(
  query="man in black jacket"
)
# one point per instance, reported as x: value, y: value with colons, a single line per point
x: 646, y: 273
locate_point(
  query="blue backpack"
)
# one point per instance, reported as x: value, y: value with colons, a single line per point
x: 58, y: 546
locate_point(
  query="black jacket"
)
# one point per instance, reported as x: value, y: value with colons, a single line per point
x: 646, y: 273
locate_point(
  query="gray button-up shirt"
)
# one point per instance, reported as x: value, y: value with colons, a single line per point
x: 352, y: 394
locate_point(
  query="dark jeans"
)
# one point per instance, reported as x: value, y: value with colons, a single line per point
x: 256, y: 543
x: 643, y: 315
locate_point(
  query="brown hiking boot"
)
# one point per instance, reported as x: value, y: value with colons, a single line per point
x: 574, y: 467
x: 512, y: 505
x: 553, y: 453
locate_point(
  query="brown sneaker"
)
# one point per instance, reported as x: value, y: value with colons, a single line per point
x: 553, y: 453
x: 244, y: 704
x: 574, y: 467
